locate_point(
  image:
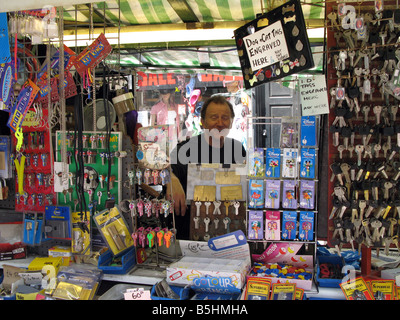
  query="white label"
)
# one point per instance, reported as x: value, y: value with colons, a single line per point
x: 266, y: 46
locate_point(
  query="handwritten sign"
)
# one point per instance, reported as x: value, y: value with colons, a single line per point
x: 266, y: 46
x: 11, y: 275
x: 274, y: 45
x: 314, y: 96
x: 32, y: 278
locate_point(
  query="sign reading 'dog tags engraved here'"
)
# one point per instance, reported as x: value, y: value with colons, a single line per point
x: 266, y: 46
x: 274, y: 45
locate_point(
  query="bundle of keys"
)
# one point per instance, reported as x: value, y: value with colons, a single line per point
x: 150, y: 237
x: 153, y: 207
x: 149, y: 176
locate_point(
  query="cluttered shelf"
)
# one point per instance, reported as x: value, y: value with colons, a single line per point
x: 137, y: 275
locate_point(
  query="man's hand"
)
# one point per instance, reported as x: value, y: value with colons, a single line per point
x: 175, y: 192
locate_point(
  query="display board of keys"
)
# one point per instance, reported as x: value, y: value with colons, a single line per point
x: 34, y: 179
x: 364, y: 144
x: 95, y: 159
x: 214, y: 218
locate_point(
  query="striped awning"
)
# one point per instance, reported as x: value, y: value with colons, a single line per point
x: 182, y: 60
x: 141, y: 12
x: 221, y: 60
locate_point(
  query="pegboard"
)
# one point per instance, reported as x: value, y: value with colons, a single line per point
x: 95, y: 166
x: 216, y: 226
x: 9, y: 203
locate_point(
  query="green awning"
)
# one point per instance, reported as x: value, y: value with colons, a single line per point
x: 141, y: 12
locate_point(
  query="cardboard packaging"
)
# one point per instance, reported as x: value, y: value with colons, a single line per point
x: 222, y: 261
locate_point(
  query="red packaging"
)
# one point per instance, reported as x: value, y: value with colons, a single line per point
x: 92, y: 55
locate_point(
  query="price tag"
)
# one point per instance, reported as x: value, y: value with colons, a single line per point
x: 137, y: 294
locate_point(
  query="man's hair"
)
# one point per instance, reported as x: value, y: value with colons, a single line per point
x: 217, y: 99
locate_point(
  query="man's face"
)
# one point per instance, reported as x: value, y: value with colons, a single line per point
x: 218, y: 120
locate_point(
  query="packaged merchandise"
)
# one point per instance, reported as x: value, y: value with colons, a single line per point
x: 289, y: 225
x: 289, y: 163
x: 256, y: 193
x: 114, y: 230
x: 272, y: 225
x: 356, y: 289
x: 272, y: 194
x: 306, y: 226
x: 256, y: 225
x: 58, y: 223
x: 257, y: 288
x: 307, y: 163
x: 77, y: 283
x: 308, y: 133
x: 307, y: 194
x: 225, y: 259
x: 273, y: 163
x: 289, y: 195
x: 256, y: 162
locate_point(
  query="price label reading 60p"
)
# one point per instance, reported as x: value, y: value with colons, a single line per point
x: 137, y: 294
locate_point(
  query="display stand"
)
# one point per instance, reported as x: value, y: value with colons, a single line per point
x: 280, y: 208
x: 151, y: 211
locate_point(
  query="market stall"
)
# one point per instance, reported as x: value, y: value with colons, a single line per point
x: 97, y: 110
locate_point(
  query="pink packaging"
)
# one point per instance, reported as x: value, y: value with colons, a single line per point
x: 272, y: 225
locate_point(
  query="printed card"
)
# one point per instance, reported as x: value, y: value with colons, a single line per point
x: 272, y: 225
x: 256, y: 225
x: 307, y: 163
x: 273, y: 163
x: 289, y: 225
x: 256, y: 162
x: 306, y: 226
x: 289, y: 200
x: 307, y: 194
x: 256, y: 193
x: 272, y: 194
x: 289, y: 163
x: 308, y: 131
x: 289, y: 133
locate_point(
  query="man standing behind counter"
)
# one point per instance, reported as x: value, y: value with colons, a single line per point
x: 212, y: 146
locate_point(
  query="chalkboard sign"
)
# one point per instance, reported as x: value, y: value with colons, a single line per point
x: 274, y: 45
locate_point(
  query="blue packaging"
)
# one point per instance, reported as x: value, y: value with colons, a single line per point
x: 289, y: 225
x: 127, y: 258
x: 308, y: 132
x: 306, y: 226
x: 307, y: 163
x: 256, y: 193
x: 5, y: 147
x: 33, y: 228
x: 256, y: 225
x: 273, y: 163
x: 272, y: 194
x: 182, y: 292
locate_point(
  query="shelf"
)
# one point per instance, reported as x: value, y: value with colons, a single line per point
x: 138, y: 275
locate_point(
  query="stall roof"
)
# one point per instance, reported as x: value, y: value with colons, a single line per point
x: 142, y: 12
x: 185, y: 56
